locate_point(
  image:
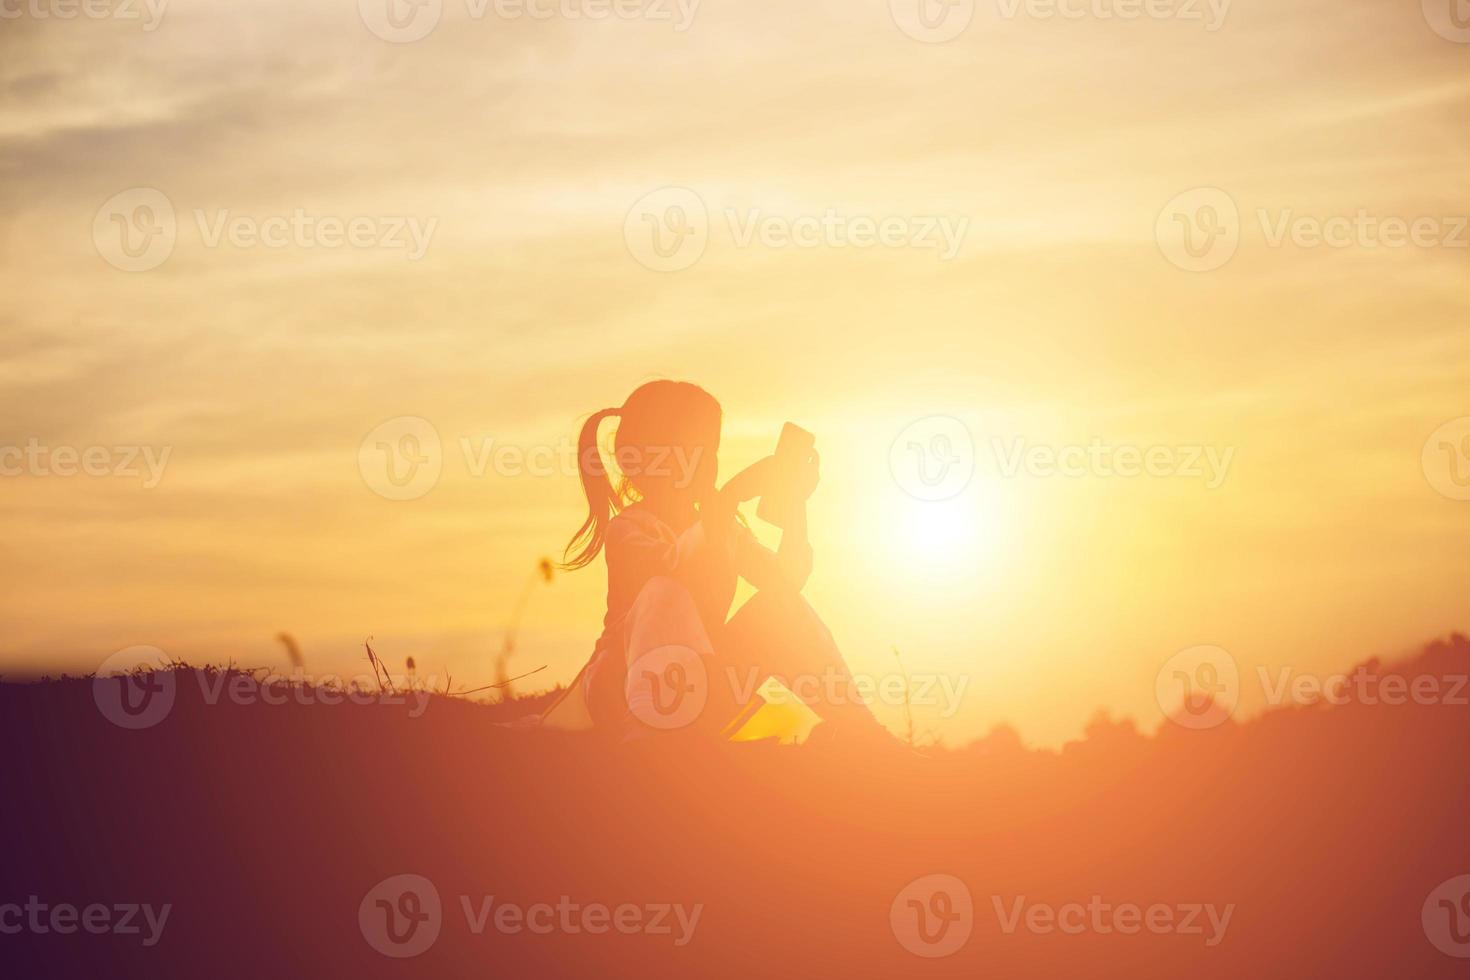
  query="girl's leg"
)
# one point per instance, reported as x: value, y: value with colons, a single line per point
x: 674, y: 679
x: 778, y: 634
x: 667, y: 666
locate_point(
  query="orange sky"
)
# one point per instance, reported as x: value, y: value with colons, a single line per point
x: 517, y: 148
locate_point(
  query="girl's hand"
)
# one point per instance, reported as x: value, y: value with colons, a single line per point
x: 768, y: 475
x: 753, y: 481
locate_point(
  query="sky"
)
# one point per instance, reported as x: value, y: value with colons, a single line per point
x: 985, y: 254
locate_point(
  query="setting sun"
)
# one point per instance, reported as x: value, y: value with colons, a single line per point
x: 948, y: 537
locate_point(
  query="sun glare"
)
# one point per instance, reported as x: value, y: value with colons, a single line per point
x: 949, y: 537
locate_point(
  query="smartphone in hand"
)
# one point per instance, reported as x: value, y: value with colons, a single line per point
x: 793, y: 449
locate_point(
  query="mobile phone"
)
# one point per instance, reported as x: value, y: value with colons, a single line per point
x: 793, y: 449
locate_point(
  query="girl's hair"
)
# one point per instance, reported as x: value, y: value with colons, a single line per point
x: 658, y: 419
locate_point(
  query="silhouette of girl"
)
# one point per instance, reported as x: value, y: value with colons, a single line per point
x: 667, y: 658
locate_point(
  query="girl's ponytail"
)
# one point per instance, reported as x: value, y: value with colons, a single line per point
x: 602, y: 500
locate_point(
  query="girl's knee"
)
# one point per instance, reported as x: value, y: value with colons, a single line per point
x: 782, y: 613
x: 774, y: 604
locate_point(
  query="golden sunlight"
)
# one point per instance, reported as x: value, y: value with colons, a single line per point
x: 948, y: 536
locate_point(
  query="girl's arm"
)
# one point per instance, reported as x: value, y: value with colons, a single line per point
x: 718, y: 513
x: 791, y: 564
x: 795, y: 551
x: 785, y: 569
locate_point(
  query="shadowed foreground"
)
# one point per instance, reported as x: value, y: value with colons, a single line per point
x: 1322, y: 830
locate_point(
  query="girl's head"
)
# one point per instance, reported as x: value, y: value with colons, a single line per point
x: 665, y: 449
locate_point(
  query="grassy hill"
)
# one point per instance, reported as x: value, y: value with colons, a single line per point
x: 1318, y: 834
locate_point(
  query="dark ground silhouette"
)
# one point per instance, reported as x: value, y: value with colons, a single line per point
x: 264, y: 826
